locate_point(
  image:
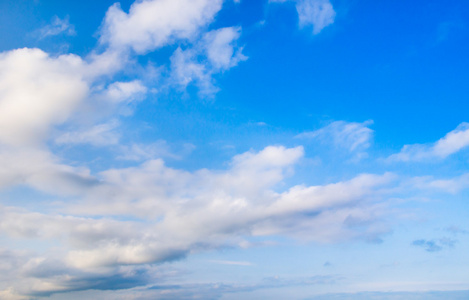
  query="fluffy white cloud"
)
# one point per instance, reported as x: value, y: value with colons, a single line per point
x: 220, y: 48
x: 39, y: 91
x: 318, y: 13
x: 106, y: 63
x: 454, y: 141
x: 153, y: 24
x: 36, y: 92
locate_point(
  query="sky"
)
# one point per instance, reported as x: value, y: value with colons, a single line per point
x: 234, y: 149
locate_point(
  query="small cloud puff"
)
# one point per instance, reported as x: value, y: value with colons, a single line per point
x: 316, y: 13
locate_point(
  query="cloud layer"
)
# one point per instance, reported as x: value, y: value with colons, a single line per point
x: 182, y: 212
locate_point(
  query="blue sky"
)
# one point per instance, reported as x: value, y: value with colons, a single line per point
x: 282, y: 149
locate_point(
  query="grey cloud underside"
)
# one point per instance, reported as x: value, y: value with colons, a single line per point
x: 95, y: 282
x: 215, y: 290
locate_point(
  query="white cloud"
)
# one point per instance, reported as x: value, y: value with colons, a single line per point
x: 36, y: 92
x: 353, y: 137
x: 220, y: 48
x: 57, y: 26
x: 42, y: 276
x: 216, y: 52
x: 41, y: 170
x: 125, y: 91
x: 106, y: 63
x: 179, y: 212
x: 318, y: 13
x: 152, y: 24
x: 454, y: 141
x: 176, y: 212
x: 186, y: 69
x: 452, y: 185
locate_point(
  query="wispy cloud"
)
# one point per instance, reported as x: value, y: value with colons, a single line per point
x: 351, y: 136
x: 454, y: 141
x: 56, y: 27
x: 231, y: 262
x: 317, y: 14
x: 451, y: 185
x: 98, y: 135
x: 215, y: 53
x: 158, y: 149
